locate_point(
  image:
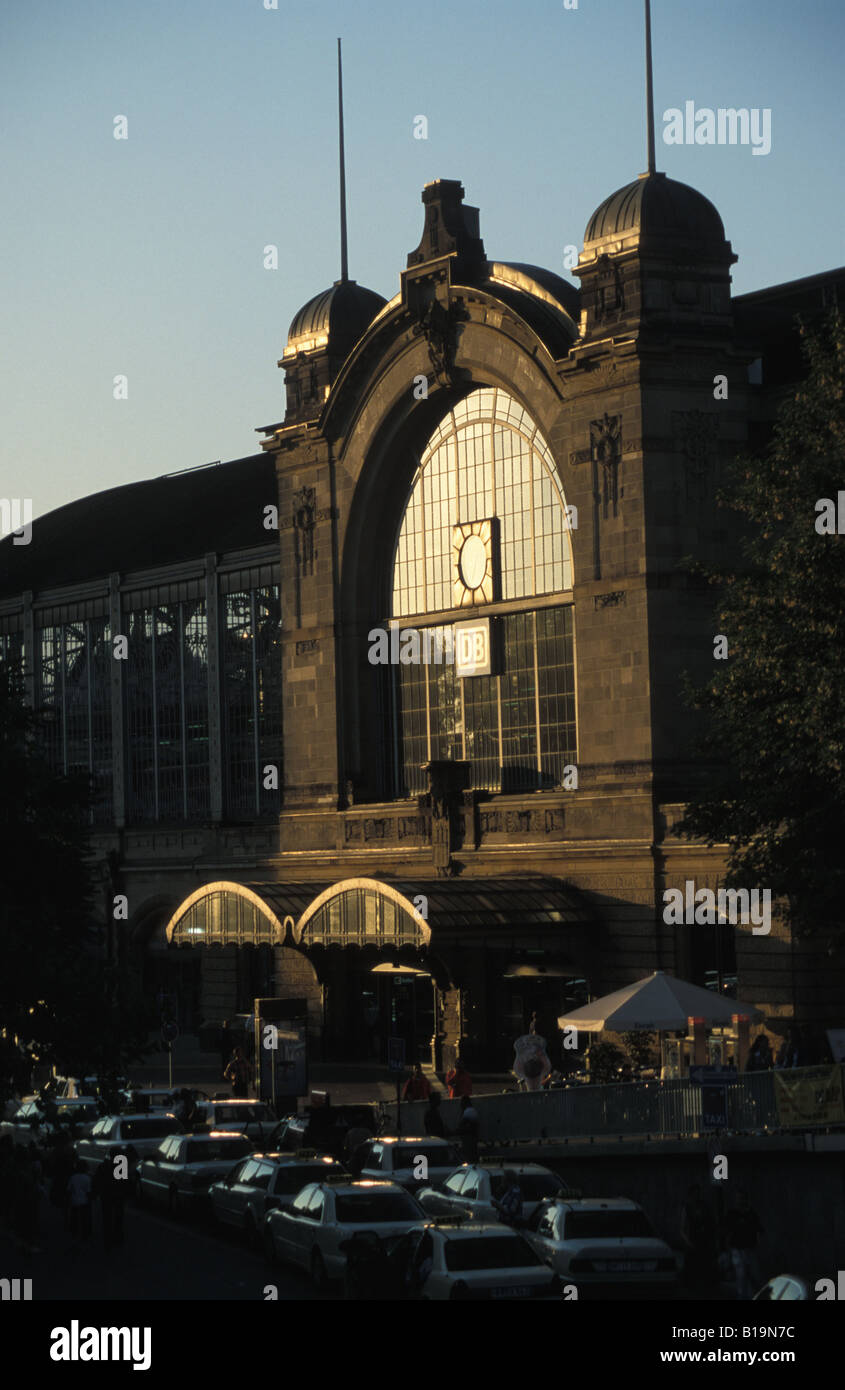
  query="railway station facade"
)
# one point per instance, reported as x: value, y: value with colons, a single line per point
x: 511, y: 474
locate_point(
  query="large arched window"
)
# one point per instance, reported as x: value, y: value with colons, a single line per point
x: 485, y: 538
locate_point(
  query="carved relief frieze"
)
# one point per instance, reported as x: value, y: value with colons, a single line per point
x: 696, y: 438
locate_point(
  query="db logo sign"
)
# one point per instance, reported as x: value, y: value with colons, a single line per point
x: 472, y: 648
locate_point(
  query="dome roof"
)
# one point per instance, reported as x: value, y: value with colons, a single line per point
x: 337, y: 318
x: 656, y: 206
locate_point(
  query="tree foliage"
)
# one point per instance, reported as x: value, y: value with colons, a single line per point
x: 57, y: 994
x: 776, y: 707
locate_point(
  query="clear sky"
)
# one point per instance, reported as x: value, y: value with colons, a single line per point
x: 144, y: 256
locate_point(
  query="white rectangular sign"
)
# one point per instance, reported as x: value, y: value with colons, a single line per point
x: 473, y: 656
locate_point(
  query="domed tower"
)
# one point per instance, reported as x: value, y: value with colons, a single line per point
x: 320, y: 338
x: 658, y: 387
x: 655, y: 257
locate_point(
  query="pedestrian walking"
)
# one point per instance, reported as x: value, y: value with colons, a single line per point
x: 433, y: 1117
x: 109, y: 1185
x: 237, y: 1073
x: 417, y: 1087
x: 459, y: 1081
x: 79, y: 1198
x: 742, y: 1228
x: 697, y: 1240
x: 468, y: 1127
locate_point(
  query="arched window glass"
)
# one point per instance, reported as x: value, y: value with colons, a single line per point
x: 486, y: 459
x: 485, y: 536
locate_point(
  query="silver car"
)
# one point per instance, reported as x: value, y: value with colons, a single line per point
x: 598, y: 1240
x: 238, y: 1116
x: 475, y: 1189
x: 265, y: 1182
x: 313, y: 1231
x: 137, y: 1134
x: 180, y: 1171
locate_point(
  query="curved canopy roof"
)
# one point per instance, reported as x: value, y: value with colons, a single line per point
x: 380, y: 913
x: 159, y: 521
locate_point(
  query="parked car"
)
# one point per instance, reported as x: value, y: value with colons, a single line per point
x: 324, y: 1128
x: 179, y: 1172
x: 312, y: 1230
x: 471, y: 1260
x: 471, y: 1189
x: 264, y: 1182
x: 601, y: 1240
x: 37, y: 1120
x: 411, y: 1162
x: 239, y: 1116
x: 149, y: 1100
x: 137, y: 1134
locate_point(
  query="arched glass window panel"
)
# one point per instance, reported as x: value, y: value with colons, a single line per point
x: 485, y: 459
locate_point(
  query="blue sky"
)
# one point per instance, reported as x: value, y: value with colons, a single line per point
x: 145, y: 256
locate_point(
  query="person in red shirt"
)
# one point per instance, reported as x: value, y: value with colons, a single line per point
x: 417, y: 1086
x: 458, y: 1080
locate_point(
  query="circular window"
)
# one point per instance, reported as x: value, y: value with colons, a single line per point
x: 473, y: 561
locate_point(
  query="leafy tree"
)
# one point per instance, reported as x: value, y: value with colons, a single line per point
x: 775, y: 745
x: 45, y: 881
x: 57, y: 996
x: 641, y: 1049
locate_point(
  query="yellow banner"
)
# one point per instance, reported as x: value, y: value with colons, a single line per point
x: 810, y: 1096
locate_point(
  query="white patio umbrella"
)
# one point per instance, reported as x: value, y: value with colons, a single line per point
x: 657, y: 1004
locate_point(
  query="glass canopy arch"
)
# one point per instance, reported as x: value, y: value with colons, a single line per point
x: 226, y: 914
x: 362, y: 912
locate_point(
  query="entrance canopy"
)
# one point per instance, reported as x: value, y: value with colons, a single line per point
x: 517, y: 913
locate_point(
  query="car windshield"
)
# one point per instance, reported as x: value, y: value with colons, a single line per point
x: 359, y: 1208
x: 533, y: 1186
x: 78, y: 1112
x: 291, y: 1179
x: 606, y: 1224
x: 148, y: 1129
x: 217, y: 1150
x: 491, y: 1252
x: 407, y: 1156
x: 244, y: 1113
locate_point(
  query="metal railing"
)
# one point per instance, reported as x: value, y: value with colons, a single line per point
x: 657, y: 1108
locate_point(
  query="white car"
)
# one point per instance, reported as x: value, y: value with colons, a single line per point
x: 180, y: 1171
x: 263, y: 1182
x: 474, y: 1260
x: 595, y: 1240
x: 312, y: 1230
x: 139, y: 1133
x: 410, y: 1162
x: 474, y: 1189
x: 35, y: 1120
x: 238, y: 1116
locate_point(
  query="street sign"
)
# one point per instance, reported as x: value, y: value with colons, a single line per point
x: 396, y: 1053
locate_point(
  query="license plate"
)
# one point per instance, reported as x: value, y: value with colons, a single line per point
x: 513, y: 1291
x: 628, y: 1266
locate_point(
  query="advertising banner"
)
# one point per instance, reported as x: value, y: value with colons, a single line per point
x: 810, y: 1095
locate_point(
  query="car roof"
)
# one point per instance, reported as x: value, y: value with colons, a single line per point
x: 412, y: 1139
x: 596, y: 1203
x: 459, y: 1229
x: 141, y: 1115
x: 215, y: 1134
x: 360, y: 1185
x: 293, y: 1158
